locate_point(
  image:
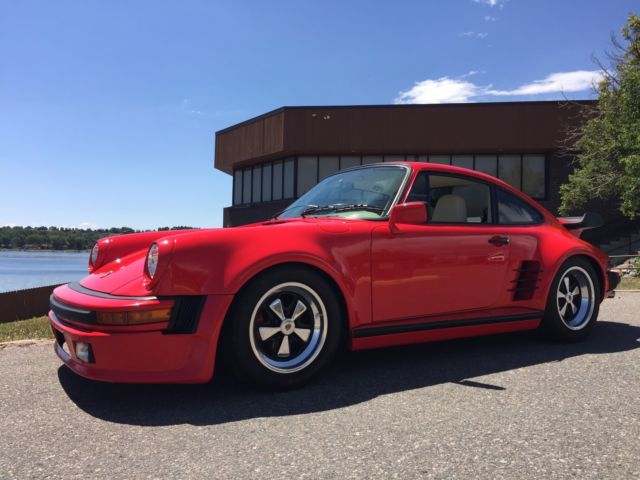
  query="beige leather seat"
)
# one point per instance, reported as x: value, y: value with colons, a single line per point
x: 450, y: 208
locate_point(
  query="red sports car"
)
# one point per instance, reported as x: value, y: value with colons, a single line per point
x: 373, y: 256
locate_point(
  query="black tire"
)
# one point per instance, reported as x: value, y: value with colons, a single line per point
x: 256, y: 329
x: 573, y: 302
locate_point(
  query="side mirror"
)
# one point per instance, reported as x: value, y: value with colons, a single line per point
x: 412, y: 213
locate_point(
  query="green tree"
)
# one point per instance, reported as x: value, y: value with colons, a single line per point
x: 608, y: 145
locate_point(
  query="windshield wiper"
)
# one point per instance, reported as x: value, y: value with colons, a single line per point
x: 340, y: 207
x: 277, y: 214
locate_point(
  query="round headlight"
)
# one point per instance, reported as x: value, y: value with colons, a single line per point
x: 94, y: 254
x: 152, y: 260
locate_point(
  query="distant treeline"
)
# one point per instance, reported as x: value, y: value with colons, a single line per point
x: 55, y: 238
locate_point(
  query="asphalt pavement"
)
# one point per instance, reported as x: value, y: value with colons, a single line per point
x: 507, y: 406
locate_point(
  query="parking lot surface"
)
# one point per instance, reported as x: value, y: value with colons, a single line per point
x: 508, y: 406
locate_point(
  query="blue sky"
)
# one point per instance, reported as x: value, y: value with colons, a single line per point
x: 108, y: 108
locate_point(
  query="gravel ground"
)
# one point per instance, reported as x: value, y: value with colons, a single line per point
x: 509, y: 406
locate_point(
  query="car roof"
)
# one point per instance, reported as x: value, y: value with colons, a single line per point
x: 437, y: 167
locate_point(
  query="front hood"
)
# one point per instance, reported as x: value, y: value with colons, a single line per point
x: 197, y: 259
x: 122, y: 275
x: 121, y: 262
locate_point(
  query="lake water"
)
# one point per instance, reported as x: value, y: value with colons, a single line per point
x: 28, y: 269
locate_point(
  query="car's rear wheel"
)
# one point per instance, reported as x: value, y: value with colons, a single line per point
x: 283, y: 328
x: 573, y: 302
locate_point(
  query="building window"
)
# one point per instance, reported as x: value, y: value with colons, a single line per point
x: 266, y: 182
x: 509, y: 170
x: 441, y: 159
x: 307, y: 173
x: 237, y: 187
x: 327, y: 166
x: 246, y: 185
x: 394, y: 158
x: 533, y: 175
x: 289, y: 170
x: 487, y: 164
x: 464, y: 161
x: 367, y: 159
x: 349, y: 162
x: 277, y: 180
x: 257, y: 184
x: 292, y: 177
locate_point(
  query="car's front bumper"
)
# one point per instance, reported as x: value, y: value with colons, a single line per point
x: 142, y: 355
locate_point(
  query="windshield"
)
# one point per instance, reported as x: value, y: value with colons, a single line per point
x: 364, y: 193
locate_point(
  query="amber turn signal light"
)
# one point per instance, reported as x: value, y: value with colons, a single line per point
x: 133, y: 318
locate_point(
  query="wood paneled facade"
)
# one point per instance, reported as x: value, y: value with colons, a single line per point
x: 401, y: 131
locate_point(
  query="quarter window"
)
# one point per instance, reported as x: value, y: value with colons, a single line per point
x: 513, y: 211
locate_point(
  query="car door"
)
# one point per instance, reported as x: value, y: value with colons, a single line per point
x: 455, y: 262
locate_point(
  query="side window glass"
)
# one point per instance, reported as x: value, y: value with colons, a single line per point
x: 453, y: 199
x: 419, y: 189
x: 513, y: 211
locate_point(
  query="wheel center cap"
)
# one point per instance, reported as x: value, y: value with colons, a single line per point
x: 287, y: 327
x: 569, y: 297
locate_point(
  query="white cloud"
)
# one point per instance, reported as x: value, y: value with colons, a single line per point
x: 489, y: 18
x: 460, y: 90
x: 471, y: 73
x: 492, y: 3
x: 441, y: 90
x: 474, y: 34
x: 577, y: 81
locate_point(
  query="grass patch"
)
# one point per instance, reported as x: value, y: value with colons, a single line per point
x: 25, y: 329
x: 629, y: 283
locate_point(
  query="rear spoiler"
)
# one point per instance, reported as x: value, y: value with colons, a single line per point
x: 577, y: 225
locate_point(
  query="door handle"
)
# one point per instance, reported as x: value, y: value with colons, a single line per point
x: 498, y: 240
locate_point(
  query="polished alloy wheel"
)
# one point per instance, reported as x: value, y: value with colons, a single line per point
x: 575, y: 298
x: 288, y: 327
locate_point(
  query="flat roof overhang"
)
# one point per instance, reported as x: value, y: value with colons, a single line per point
x: 463, y: 128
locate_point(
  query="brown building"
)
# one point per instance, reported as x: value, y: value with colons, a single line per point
x: 276, y: 157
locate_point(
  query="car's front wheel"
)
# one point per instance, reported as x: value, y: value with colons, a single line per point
x: 573, y: 302
x: 283, y: 327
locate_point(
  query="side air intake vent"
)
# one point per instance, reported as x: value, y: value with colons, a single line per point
x: 186, y: 314
x: 526, y: 281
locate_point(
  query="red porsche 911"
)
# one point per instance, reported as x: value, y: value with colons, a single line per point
x: 373, y: 256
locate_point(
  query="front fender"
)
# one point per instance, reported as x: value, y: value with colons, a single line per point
x: 222, y: 262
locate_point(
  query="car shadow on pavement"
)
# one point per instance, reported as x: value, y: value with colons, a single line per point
x: 354, y: 378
